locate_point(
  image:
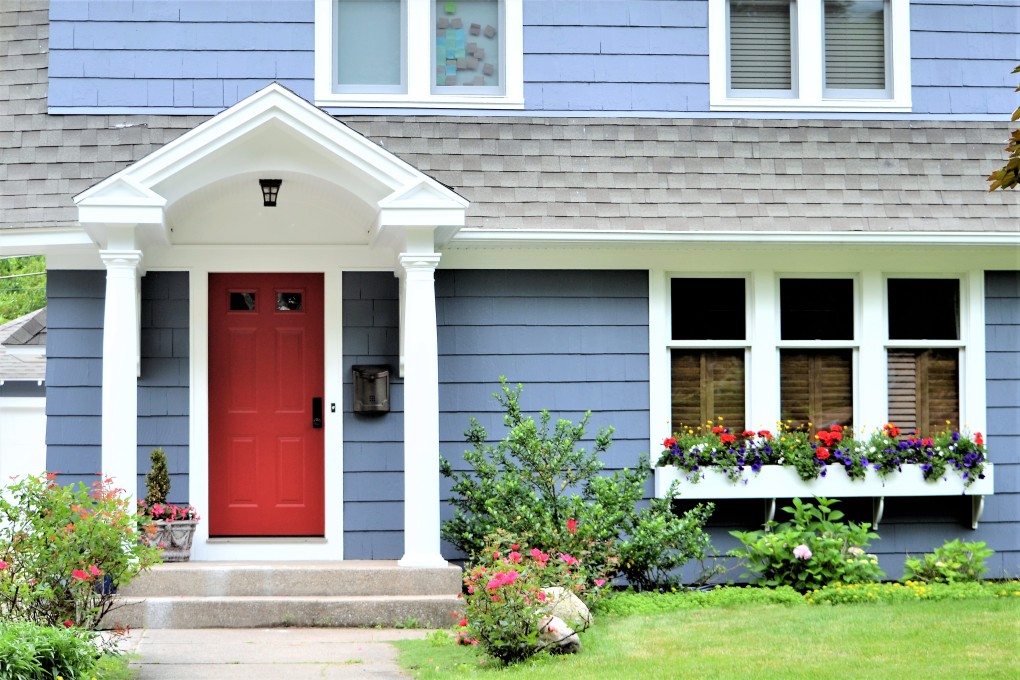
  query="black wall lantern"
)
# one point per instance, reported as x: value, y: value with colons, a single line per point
x: 270, y: 188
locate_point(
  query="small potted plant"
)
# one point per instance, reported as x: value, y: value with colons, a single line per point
x: 175, y: 524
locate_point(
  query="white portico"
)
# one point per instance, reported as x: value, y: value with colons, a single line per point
x: 345, y: 204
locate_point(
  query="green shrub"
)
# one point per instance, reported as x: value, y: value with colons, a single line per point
x: 954, y: 562
x: 630, y: 603
x: 64, y: 549
x: 539, y: 487
x: 811, y: 550
x: 841, y: 593
x: 157, y: 481
x: 29, y: 651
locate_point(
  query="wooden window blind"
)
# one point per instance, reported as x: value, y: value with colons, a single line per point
x: 855, y: 44
x: 816, y: 386
x: 924, y: 389
x: 707, y: 384
x: 760, y: 53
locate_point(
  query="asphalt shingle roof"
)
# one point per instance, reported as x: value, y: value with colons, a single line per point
x: 561, y: 173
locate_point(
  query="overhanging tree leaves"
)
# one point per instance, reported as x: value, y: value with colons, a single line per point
x: 1008, y: 176
x: 22, y: 286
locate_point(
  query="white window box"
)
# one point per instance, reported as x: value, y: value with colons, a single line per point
x: 781, y: 481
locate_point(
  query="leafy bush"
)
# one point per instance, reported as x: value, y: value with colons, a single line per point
x: 660, y: 542
x: 954, y: 562
x: 30, y: 651
x: 505, y: 606
x: 537, y: 486
x: 810, y: 551
x: 64, y: 550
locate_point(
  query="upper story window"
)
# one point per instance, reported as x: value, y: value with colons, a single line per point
x: 419, y: 53
x: 809, y: 55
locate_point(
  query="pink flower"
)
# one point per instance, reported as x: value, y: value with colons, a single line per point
x: 463, y: 623
x: 514, y: 557
x: 95, y: 570
x: 3, y: 565
x: 571, y: 561
x: 599, y: 582
x: 802, y: 552
x: 541, y: 596
x: 572, y: 526
x: 79, y: 574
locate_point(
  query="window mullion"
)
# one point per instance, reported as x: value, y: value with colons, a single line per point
x: 810, y: 64
x: 419, y: 49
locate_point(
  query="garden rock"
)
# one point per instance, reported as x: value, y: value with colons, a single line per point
x: 557, y: 636
x: 567, y: 606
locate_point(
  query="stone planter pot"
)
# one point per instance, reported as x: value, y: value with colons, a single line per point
x: 781, y: 481
x: 174, y: 539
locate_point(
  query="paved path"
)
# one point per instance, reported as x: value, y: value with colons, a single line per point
x: 263, y: 654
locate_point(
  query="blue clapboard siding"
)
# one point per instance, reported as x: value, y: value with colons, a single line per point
x: 579, y: 55
x: 74, y: 371
x: 163, y: 393
x: 577, y: 340
x: 373, y: 445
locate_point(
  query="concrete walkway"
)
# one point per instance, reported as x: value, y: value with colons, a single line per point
x: 263, y: 654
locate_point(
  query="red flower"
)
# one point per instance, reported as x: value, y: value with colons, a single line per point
x: 68, y: 623
x: 891, y: 430
x: 572, y: 526
x: 79, y: 574
x: 727, y: 438
x: 978, y: 439
x: 765, y: 433
x: 836, y: 428
x: 835, y: 435
x: 747, y: 433
x: 718, y: 429
x: 927, y: 441
x: 462, y: 623
x: 823, y: 437
x: 822, y: 453
x: 669, y: 443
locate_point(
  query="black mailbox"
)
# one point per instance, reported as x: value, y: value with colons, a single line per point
x: 371, y: 389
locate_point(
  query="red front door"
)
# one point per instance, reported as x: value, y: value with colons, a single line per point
x: 265, y: 369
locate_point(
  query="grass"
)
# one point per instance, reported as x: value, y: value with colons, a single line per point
x: 947, y: 639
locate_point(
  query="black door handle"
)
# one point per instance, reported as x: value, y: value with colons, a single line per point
x: 317, y: 412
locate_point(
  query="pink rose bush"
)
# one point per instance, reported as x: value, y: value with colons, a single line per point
x: 505, y: 605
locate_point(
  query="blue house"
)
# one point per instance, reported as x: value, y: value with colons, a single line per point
x: 295, y: 243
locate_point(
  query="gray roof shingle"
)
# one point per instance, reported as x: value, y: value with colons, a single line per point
x: 561, y: 173
x: 28, y: 330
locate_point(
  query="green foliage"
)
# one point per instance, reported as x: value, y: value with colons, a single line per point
x: 157, y: 482
x: 810, y: 551
x: 1008, y: 176
x: 660, y: 542
x: 505, y: 606
x: 844, y: 593
x: 29, y: 651
x: 22, y: 286
x: 63, y: 549
x: 538, y: 487
x: 954, y: 562
x: 647, y: 603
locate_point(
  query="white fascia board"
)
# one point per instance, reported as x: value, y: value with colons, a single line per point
x: 518, y: 237
x: 25, y: 351
x: 127, y: 211
x: 40, y: 241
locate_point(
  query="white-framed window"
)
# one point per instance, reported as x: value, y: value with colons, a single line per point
x: 809, y: 55
x: 419, y: 53
x: 857, y: 349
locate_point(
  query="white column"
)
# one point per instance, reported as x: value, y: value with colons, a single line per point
x: 421, y: 413
x: 763, y: 392
x: 872, y: 395
x: 120, y: 369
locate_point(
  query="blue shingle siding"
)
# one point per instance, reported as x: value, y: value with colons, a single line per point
x: 577, y: 340
x: 1001, y: 525
x: 373, y: 445
x: 163, y: 394
x: 611, y: 55
x: 74, y: 373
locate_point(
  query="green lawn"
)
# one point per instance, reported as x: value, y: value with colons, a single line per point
x: 944, y: 639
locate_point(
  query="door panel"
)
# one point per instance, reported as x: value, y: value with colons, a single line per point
x: 266, y: 460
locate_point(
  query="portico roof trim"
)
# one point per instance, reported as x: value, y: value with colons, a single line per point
x: 131, y: 197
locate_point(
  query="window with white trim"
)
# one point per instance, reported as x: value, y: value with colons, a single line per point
x: 419, y: 53
x: 805, y: 55
x: 854, y: 349
x: 923, y: 354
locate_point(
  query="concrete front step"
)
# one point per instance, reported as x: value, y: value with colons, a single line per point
x: 426, y: 611
x: 347, y: 578
x: 268, y: 594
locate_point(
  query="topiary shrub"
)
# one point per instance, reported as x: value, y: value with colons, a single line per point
x: 157, y: 482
